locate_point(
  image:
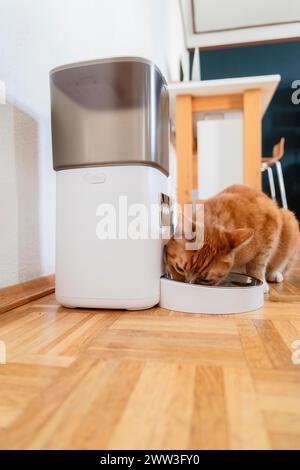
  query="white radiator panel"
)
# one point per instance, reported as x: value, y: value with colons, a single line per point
x: 220, y: 153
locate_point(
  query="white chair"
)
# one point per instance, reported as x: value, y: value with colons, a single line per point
x: 267, y: 165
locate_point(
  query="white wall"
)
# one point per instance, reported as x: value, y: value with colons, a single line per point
x: 35, y: 36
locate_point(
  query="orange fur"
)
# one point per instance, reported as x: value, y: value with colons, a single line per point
x: 243, y: 230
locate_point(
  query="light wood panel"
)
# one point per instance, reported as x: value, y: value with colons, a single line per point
x: 217, y: 103
x: 157, y: 379
x: 252, y: 138
x: 184, y: 148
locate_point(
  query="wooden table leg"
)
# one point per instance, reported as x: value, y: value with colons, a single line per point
x: 184, y: 148
x: 252, y: 138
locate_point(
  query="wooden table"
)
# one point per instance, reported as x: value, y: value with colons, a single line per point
x: 252, y: 95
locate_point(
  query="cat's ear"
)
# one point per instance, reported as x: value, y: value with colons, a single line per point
x: 240, y: 237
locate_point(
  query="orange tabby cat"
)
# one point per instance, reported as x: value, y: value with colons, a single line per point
x: 243, y: 228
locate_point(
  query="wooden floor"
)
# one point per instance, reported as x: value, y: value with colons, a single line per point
x: 157, y: 379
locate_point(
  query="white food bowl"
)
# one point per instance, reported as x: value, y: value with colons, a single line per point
x: 238, y: 294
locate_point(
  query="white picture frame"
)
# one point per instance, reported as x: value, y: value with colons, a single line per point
x: 248, y: 34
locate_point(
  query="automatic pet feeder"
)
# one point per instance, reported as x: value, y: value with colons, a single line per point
x: 110, y: 121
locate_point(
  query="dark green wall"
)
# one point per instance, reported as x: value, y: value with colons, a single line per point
x: 282, y: 117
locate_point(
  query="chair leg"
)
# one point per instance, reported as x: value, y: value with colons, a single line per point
x: 281, y: 185
x: 271, y: 183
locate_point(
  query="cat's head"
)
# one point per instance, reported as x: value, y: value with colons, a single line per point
x: 212, y: 263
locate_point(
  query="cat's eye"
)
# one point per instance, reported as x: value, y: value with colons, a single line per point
x: 179, y: 269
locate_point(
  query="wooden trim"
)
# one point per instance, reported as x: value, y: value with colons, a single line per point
x: 217, y: 103
x: 184, y: 148
x: 244, y: 44
x: 20, y: 294
x: 252, y: 138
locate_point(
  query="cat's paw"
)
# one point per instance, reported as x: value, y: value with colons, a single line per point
x: 275, y: 276
x: 266, y: 287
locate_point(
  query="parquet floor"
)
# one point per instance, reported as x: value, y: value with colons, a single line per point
x: 84, y: 379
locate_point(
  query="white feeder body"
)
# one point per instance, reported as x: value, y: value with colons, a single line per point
x: 111, y: 273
